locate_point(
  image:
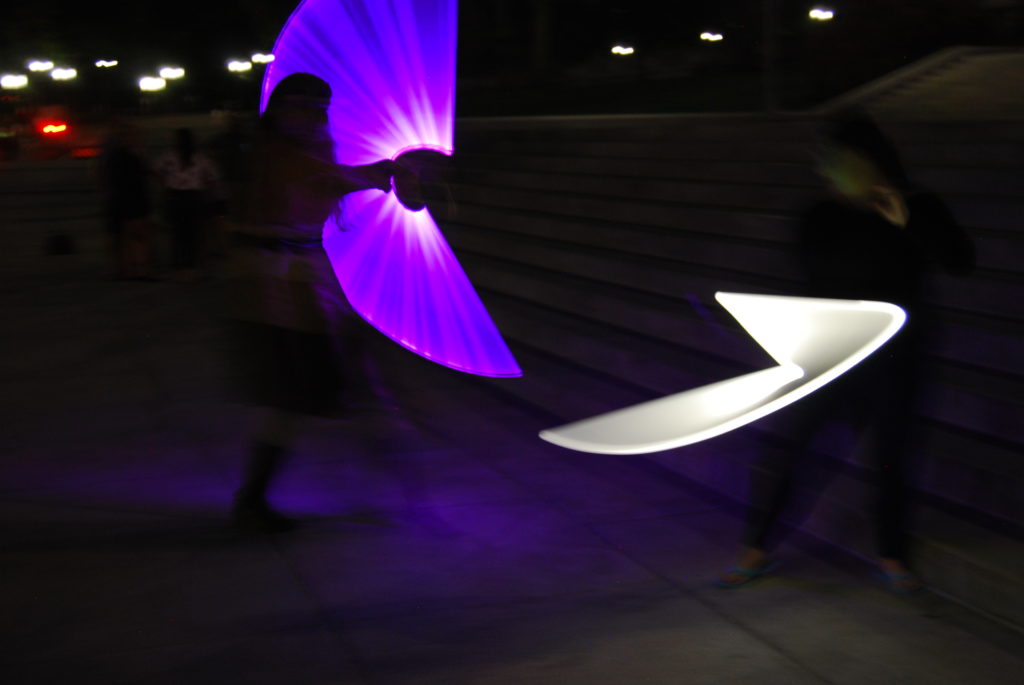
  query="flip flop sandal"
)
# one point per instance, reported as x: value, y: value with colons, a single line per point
x: 747, y: 574
x: 892, y: 584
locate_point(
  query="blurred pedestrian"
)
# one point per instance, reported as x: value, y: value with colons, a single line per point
x: 230, y: 150
x: 190, y: 181
x: 124, y: 181
x: 293, y: 328
x: 875, y: 237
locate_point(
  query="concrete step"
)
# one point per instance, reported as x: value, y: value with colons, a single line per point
x: 770, y: 198
x: 1005, y: 155
x: 694, y: 150
x: 946, y: 181
x: 663, y: 367
x: 973, y: 152
x: 975, y: 343
x: 684, y: 244
x: 992, y: 221
x: 947, y: 551
x: 14, y: 201
x: 972, y: 564
x: 657, y: 366
x: 671, y: 319
x: 984, y: 343
x: 708, y: 219
x: 666, y: 276
x: 646, y: 274
x: 980, y: 293
x: 998, y: 214
x: 542, y: 389
x: 726, y: 171
x: 638, y: 128
x: 991, y: 480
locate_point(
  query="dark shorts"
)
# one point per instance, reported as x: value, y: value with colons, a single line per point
x: 294, y: 371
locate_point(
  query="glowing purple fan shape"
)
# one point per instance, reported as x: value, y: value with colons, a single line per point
x: 391, y: 68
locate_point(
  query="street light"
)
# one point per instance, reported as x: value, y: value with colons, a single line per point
x: 172, y: 73
x: 711, y: 37
x: 239, y: 66
x: 40, y: 65
x: 106, y: 63
x: 13, y: 81
x: 149, y: 84
x: 63, y: 74
x: 821, y: 14
x: 622, y: 50
x: 260, y: 58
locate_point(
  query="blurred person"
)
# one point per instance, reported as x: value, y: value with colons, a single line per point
x: 230, y: 151
x: 191, y: 183
x: 124, y: 181
x: 296, y: 339
x: 875, y: 237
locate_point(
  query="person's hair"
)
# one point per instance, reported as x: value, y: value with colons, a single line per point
x: 298, y: 85
x: 857, y: 131
x: 184, y: 145
x: 316, y: 143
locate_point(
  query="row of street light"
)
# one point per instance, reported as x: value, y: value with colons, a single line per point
x: 237, y: 66
x: 816, y: 14
x: 148, y: 83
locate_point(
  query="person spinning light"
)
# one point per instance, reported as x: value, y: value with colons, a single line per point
x: 875, y: 237
x: 292, y: 326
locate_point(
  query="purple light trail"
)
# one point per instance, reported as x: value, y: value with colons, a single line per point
x: 391, y: 68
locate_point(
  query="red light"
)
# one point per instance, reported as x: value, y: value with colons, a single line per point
x: 53, y: 127
x: 85, y: 152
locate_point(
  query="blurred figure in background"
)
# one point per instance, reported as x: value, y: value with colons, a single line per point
x: 191, y: 184
x: 124, y: 181
x: 230, y: 149
x: 875, y: 237
x: 293, y: 328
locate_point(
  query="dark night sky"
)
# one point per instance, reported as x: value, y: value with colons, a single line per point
x: 198, y: 29
x: 497, y: 36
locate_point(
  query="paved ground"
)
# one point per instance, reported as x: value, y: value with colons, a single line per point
x: 448, y: 546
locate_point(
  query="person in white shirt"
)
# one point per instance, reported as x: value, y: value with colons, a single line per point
x: 190, y: 180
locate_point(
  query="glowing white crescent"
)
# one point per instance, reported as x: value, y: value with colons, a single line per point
x: 813, y: 340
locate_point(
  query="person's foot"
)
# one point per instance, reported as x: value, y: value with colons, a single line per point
x: 898, y: 578
x: 258, y: 517
x: 752, y: 563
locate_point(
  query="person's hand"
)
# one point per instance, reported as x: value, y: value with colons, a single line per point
x: 408, y: 189
x: 889, y: 202
x: 381, y: 173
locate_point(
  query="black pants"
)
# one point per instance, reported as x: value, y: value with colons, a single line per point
x: 186, y: 214
x: 879, y: 395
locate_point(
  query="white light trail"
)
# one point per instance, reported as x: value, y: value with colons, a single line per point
x: 814, y: 341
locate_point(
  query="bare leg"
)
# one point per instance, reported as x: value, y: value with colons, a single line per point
x: 267, y: 454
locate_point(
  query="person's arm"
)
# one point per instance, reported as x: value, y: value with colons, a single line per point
x: 377, y: 175
x: 943, y: 240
